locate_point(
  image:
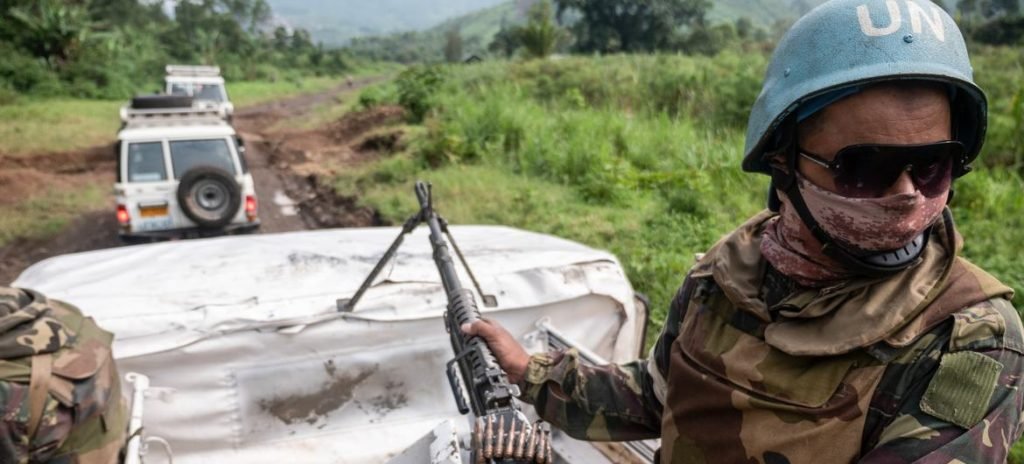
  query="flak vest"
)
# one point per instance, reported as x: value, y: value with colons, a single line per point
x: 741, y: 387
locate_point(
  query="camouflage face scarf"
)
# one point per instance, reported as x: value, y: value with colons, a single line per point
x: 861, y: 225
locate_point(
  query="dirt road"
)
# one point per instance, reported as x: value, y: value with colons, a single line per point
x: 289, y: 167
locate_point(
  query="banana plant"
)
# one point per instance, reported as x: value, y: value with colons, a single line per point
x: 52, y: 29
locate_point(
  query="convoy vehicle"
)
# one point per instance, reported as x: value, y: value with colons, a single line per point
x: 250, y: 360
x: 181, y: 172
x: 203, y: 83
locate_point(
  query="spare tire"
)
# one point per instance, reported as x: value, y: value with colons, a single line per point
x: 149, y: 102
x: 209, y: 196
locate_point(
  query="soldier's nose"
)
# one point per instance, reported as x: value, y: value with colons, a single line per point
x: 903, y: 184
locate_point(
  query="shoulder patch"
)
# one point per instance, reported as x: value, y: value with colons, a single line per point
x: 962, y: 388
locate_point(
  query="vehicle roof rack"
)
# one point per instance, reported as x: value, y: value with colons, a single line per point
x: 192, y: 71
x: 199, y: 115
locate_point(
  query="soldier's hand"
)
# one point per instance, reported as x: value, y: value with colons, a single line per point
x: 511, y: 355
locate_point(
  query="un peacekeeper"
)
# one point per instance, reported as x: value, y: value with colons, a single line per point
x: 59, y: 389
x: 841, y: 325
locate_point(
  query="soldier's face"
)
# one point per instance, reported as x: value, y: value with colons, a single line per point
x: 894, y: 114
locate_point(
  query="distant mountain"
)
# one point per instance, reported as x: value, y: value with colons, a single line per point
x: 335, y: 22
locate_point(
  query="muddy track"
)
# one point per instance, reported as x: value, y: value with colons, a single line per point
x: 290, y: 169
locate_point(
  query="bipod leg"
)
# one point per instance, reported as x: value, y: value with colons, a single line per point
x: 346, y: 305
x: 489, y: 300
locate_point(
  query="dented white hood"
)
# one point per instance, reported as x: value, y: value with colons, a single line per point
x: 252, y: 362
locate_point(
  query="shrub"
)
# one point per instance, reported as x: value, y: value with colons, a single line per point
x: 26, y: 74
x: 417, y: 87
x: 377, y: 95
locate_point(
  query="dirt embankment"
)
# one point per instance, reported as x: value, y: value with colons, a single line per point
x: 291, y: 170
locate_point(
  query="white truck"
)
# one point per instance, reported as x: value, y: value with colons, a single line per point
x: 181, y: 172
x: 203, y: 83
x: 249, y: 359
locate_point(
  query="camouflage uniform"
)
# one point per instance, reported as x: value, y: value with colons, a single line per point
x: 923, y: 366
x: 59, y: 388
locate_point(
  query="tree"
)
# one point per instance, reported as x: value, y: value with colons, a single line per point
x: 453, y: 45
x: 744, y: 28
x: 540, y: 35
x: 632, y: 25
x: 51, y: 29
x: 505, y: 41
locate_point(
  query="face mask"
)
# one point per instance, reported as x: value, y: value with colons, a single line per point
x: 866, y: 225
x: 863, y: 225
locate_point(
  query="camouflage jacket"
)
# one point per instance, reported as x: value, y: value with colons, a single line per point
x: 923, y: 366
x: 59, y: 388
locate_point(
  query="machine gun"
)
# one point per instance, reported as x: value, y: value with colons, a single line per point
x: 501, y: 432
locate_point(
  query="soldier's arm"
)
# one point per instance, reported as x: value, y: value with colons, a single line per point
x: 960, y: 405
x: 613, y: 402
x: 15, y: 444
x: 601, y: 403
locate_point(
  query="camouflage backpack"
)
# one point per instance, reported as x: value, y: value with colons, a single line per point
x: 58, y: 384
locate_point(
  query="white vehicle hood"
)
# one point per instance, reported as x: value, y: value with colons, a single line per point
x: 253, y: 363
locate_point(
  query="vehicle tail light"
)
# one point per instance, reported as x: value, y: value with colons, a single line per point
x: 122, y: 215
x: 250, y: 207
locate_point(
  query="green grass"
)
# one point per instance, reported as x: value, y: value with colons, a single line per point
x: 250, y: 93
x: 45, y: 215
x: 35, y: 126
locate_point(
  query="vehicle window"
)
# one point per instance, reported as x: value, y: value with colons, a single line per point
x: 240, y: 149
x: 208, y: 92
x: 187, y: 154
x: 146, y: 162
x: 178, y: 88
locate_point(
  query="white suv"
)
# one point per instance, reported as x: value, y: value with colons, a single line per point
x: 181, y: 172
x: 203, y: 83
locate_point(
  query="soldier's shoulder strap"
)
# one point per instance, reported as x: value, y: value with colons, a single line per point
x: 38, y: 390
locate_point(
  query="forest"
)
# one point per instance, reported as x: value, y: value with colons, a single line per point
x: 110, y: 49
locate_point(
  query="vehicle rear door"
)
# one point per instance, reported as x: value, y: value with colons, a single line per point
x: 146, y: 188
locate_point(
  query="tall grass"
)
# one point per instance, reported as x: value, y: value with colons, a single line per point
x: 48, y: 213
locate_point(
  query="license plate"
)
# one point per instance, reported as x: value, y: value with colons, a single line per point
x: 153, y: 211
x: 154, y: 224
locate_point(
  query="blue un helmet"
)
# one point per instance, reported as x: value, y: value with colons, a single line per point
x: 844, y: 44
x: 834, y: 51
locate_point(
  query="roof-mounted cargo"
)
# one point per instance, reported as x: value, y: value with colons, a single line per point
x: 192, y: 71
x: 169, y: 110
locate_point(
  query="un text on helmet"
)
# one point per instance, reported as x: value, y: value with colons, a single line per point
x: 918, y: 14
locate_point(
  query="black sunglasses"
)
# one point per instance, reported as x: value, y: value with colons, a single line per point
x: 868, y: 170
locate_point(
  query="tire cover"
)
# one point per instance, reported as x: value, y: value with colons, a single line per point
x: 209, y: 196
